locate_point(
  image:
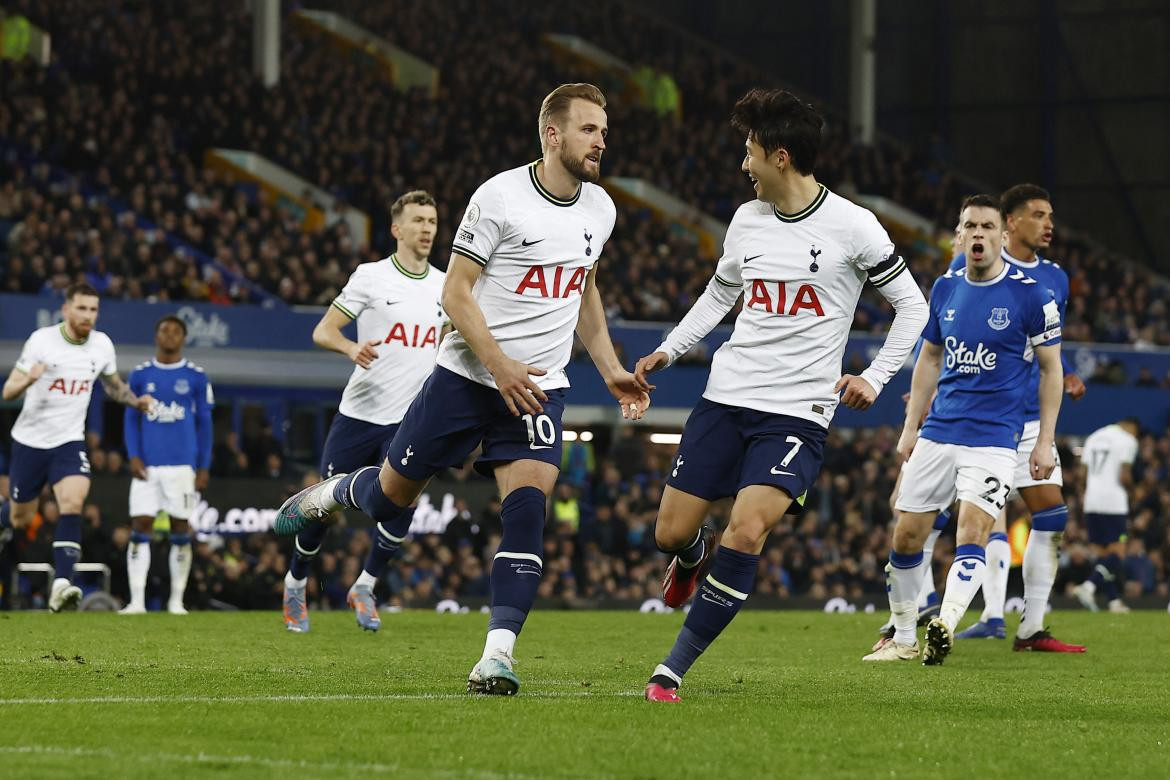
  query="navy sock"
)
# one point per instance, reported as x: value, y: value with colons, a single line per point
x: 691, y: 554
x: 1054, y: 519
x: 140, y: 537
x: 5, y: 515
x: 517, y: 567
x: 67, y: 545
x: 1105, y: 575
x: 388, y: 536
x: 721, y: 594
x: 180, y: 540
x: 305, y: 548
x: 944, y: 517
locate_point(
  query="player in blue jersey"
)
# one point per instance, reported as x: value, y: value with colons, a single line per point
x: 1028, y: 218
x: 170, y: 452
x: 988, y: 322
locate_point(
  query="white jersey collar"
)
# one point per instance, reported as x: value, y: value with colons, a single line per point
x: 987, y: 283
x: 1009, y: 258
x: 168, y: 366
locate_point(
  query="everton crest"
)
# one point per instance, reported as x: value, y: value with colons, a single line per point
x: 999, y: 318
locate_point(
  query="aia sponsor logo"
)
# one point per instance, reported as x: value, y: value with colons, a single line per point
x: 413, y: 335
x: 554, y: 284
x: 772, y: 297
x: 71, y: 386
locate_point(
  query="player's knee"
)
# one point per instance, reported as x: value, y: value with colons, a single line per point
x: 143, y: 524
x: 908, y: 537
x: 180, y: 525
x: 400, y: 490
x: 22, y: 514
x: 747, y: 532
x: 670, y: 535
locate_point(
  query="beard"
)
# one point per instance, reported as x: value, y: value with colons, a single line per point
x: 576, y: 167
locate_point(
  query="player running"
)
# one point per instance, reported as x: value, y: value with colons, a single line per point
x: 800, y: 256
x: 400, y: 323
x: 522, y: 278
x: 170, y: 452
x: 57, y: 368
x: 1027, y: 210
x: 987, y: 323
x: 1108, y: 457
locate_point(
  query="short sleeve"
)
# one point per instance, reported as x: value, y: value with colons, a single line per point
x: 729, y: 269
x: 111, y: 359
x: 1130, y: 452
x: 483, y: 225
x: 872, y: 247
x: 355, y: 296
x: 931, y: 332
x: 1043, y: 318
x: 208, y: 393
x: 30, y: 354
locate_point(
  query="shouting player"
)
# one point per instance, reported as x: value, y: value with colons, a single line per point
x: 800, y: 256
x: 1108, y: 457
x: 170, y: 452
x: 398, y: 308
x: 988, y: 321
x: 57, y: 367
x: 522, y: 278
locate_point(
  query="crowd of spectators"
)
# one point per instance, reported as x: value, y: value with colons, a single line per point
x: 599, y: 546
x: 140, y: 91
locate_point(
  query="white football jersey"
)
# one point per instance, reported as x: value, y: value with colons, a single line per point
x: 536, y: 251
x: 55, y: 405
x: 405, y: 312
x: 801, y: 276
x: 1106, y: 451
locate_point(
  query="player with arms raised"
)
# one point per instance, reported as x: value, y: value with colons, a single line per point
x: 522, y: 278
x: 400, y: 322
x: 57, y: 367
x: 800, y: 255
x: 988, y: 322
x: 170, y: 452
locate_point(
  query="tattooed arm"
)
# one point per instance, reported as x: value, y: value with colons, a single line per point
x: 120, y: 392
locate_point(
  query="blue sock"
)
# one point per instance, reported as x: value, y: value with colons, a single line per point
x: 691, y: 554
x: 721, y: 594
x: 944, y: 517
x: 67, y: 545
x: 517, y: 568
x: 362, y: 490
x: 180, y: 540
x: 1105, y: 575
x: 5, y: 515
x: 305, y: 548
x: 387, y: 538
x: 1054, y: 519
x: 139, y: 537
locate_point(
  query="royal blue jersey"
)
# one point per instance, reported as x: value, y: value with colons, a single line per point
x: 177, y: 429
x: 1051, y: 276
x: 987, y: 331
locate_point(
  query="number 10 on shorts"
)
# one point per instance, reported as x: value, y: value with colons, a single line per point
x: 541, y: 426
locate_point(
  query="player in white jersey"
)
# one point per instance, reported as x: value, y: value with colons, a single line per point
x: 522, y: 279
x: 800, y: 256
x: 57, y: 367
x: 1108, y: 458
x: 397, y: 304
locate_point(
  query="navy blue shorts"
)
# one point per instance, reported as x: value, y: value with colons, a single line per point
x: 1104, y: 530
x: 31, y: 468
x: 726, y: 448
x: 452, y: 415
x: 352, y: 444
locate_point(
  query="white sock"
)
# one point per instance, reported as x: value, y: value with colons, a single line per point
x: 927, y: 589
x: 999, y: 557
x: 1040, y: 563
x: 365, y: 579
x: 903, y: 583
x: 180, y: 561
x: 964, y: 579
x: 292, y: 583
x: 137, y: 569
x: 499, y: 640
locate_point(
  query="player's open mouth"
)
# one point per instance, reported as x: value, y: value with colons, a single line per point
x: 977, y: 251
x: 593, y: 158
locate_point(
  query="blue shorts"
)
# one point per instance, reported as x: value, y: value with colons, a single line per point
x: 726, y: 448
x: 352, y: 444
x: 452, y: 415
x: 1104, y: 530
x: 31, y: 468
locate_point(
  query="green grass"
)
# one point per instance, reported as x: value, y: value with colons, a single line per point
x: 781, y: 694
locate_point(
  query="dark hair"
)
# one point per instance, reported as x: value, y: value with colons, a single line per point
x: 1017, y: 196
x: 775, y: 119
x: 416, y: 197
x: 980, y: 201
x: 79, y: 288
x: 170, y: 318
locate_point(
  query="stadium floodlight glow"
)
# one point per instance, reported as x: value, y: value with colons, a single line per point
x: 572, y: 436
x: 665, y: 438
x: 586, y: 435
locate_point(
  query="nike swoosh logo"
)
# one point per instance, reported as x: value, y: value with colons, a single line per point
x: 540, y: 446
x: 530, y: 243
x: 782, y: 473
x: 749, y: 259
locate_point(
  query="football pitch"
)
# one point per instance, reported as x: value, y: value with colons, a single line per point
x: 782, y: 694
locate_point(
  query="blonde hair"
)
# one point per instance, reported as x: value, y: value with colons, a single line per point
x: 414, y: 197
x: 556, y: 104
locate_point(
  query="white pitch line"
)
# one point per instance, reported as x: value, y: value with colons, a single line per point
x: 243, y: 760
x: 342, y: 697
